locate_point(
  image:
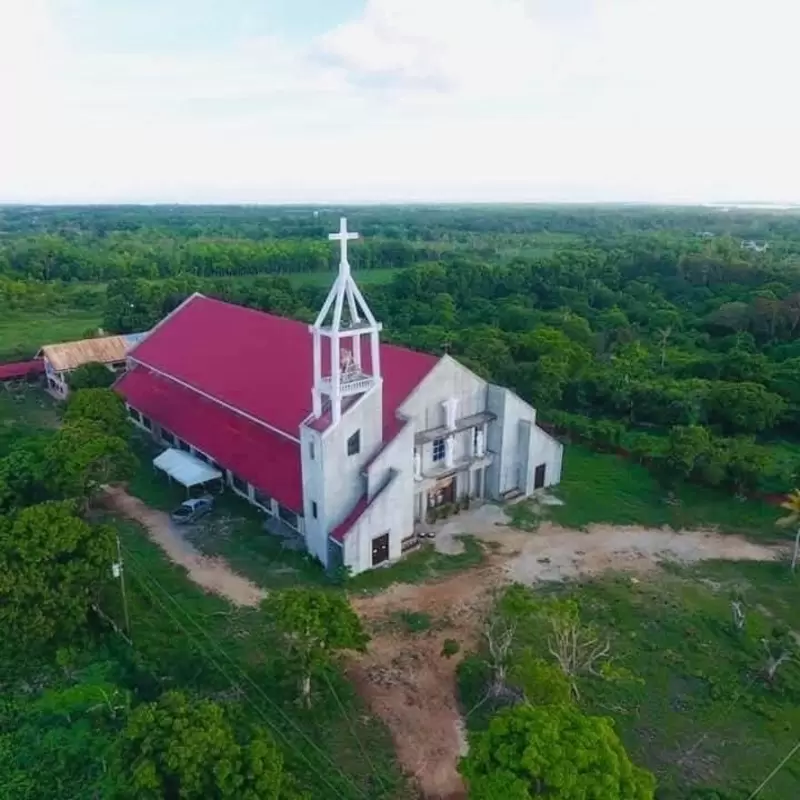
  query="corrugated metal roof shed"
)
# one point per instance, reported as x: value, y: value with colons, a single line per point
x: 104, y: 349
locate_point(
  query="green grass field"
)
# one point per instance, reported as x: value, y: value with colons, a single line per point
x: 598, y: 487
x: 23, y: 412
x: 188, y: 638
x: 365, y: 277
x: 22, y: 333
x: 696, y: 708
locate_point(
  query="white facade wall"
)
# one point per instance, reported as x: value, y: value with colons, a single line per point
x: 390, y: 481
x: 333, y: 479
x: 425, y: 406
x: 510, y: 442
x: 547, y: 450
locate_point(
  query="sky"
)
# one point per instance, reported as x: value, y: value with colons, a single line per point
x: 354, y: 101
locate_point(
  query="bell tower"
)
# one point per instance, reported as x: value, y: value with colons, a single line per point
x: 345, y: 323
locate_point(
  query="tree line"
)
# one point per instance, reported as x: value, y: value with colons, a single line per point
x: 58, y: 257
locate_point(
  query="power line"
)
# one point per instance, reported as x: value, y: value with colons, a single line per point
x: 353, y: 731
x: 239, y: 669
x: 775, y: 771
x: 233, y: 683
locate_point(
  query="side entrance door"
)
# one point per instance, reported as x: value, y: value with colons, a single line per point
x: 380, y: 549
x: 538, y: 476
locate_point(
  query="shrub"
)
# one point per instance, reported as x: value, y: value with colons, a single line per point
x: 450, y: 648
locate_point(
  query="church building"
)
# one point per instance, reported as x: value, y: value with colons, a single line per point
x: 347, y: 440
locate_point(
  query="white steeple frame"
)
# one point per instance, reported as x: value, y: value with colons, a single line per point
x: 345, y: 315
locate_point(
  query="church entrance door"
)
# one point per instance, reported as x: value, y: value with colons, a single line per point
x: 380, y: 549
x: 443, y: 492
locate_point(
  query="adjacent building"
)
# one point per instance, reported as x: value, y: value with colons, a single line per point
x: 347, y: 440
x: 61, y: 359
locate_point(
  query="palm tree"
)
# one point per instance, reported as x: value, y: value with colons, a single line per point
x: 792, y: 505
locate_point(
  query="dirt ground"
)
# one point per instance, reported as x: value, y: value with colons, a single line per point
x: 213, y: 574
x: 404, y: 676
x: 412, y: 686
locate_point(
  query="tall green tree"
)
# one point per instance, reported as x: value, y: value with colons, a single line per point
x: 179, y: 748
x: 103, y: 407
x: 315, y: 625
x: 93, y: 375
x: 553, y: 752
x: 52, y: 567
x: 85, y: 458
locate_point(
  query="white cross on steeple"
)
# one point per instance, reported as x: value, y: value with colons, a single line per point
x: 342, y: 237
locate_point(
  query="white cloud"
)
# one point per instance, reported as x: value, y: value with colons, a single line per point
x: 418, y: 99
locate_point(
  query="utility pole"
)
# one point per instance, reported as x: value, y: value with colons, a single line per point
x: 118, y: 572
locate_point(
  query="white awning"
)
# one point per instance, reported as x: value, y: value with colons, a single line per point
x: 185, y: 468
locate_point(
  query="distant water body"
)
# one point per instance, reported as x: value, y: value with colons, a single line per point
x: 758, y: 206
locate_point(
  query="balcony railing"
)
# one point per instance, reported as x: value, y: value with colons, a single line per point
x: 440, y: 470
x: 463, y: 424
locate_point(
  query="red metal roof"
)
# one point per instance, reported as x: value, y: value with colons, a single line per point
x: 21, y: 369
x: 261, y: 363
x: 266, y: 459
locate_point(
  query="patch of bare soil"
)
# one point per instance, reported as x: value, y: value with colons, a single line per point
x: 412, y: 687
x: 555, y: 554
x: 213, y: 574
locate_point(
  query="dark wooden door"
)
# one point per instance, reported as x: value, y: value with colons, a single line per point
x: 380, y: 549
x: 538, y: 476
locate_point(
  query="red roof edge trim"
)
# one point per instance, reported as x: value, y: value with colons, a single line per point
x: 21, y: 369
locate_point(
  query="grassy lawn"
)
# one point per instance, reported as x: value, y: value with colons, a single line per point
x: 424, y: 564
x: 365, y: 276
x: 185, y: 637
x: 700, y: 676
x: 234, y: 531
x: 697, y: 710
x: 597, y: 487
x: 23, y: 412
x: 22, y: 333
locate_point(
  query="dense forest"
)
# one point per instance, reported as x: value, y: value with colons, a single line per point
x: 661, y: 332
x: 669, y: 336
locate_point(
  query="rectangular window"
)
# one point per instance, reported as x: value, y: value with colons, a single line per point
x: 438, y: 449
x: 314, y: 510
x: 184, y: 446
x: 289, y: 517
x: 238, y: 484
x: 134, y: 414
x: 263, y: 500
x: 354, y: 443
x: 168, y: 437
x: 147, y: 423
x: 311, y: 450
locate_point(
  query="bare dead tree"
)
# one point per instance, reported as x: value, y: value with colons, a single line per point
x: 774, y: 660
x: 576, y: 648
x: 738, y: 614
x: 499, y: 636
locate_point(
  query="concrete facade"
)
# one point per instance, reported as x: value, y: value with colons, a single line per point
x: 461, y: 437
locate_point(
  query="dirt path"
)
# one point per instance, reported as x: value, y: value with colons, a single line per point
x: 213, y: 574
x: 412, y: 687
